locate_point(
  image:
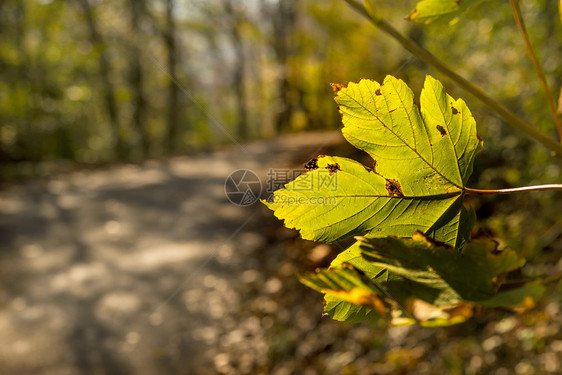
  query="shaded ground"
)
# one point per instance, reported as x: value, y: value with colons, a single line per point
x: 128, y: 269
x: 151, y: 270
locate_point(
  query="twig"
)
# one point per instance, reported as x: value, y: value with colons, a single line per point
x: 428, y: 58
x: 513, y: 190
x: 553, y: 278
x: 559, y: 111
x: 538, y: 67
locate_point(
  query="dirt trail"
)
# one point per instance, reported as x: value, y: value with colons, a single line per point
x: 130, y: 269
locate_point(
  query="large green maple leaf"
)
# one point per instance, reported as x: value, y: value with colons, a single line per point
x: 422, y: 160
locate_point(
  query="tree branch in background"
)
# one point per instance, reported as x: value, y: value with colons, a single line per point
x: 538, y: 67
x: 559, y: 111
x: 426, y: 56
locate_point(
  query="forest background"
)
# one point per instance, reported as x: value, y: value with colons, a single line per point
x: 94, y: 82
x: 88, y: 83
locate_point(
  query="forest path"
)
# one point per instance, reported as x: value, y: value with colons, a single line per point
x: 129, y: 269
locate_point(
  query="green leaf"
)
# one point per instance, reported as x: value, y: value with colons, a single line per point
x: 341, y: 310
x: 424, y: 282
x: 352, y: 255
x: 344, y: 311
x: 454, y: 227
x: 455, y: 277
x: 349, y: 285
x: 524, y: 296
x: 428, y: 11
x: 352, y: 297
x: 428, y: 153
x: 354, y: 200
x: 421, y: 163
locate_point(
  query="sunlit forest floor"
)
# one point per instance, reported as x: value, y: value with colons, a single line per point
x: 149, y: 269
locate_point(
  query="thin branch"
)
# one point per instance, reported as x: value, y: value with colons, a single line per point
x: 513, y: 190
x: 545, y: 280
x: 538, y: 67
x: 553, y: 278
x: 427, y: 57
x: 559, y: 111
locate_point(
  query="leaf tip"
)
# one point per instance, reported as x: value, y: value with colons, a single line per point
x: 411, y: 17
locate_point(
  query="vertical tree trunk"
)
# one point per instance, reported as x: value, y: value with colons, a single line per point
x: 136, y: 78
x: 24, y: 75
x: 170, y: 42
x: 109, y: 91
x: 283, y: 19
x: 239, y: 80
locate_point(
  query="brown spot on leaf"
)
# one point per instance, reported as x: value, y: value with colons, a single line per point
x: 333, y: 168
x: 441, y: 130
x: 378, y: 92
x: 337, y: 87
x: 311, y: 165
x: 393, y: 187
x: 454, y: 110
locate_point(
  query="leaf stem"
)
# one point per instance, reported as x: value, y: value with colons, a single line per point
x: 513, y: 190
x: 545, y: 280
x: 538, y: 67
x: 428, y: 58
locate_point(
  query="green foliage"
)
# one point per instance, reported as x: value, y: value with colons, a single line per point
x: 422, y: 161
x: 428, y: 11
x: 420, y: 281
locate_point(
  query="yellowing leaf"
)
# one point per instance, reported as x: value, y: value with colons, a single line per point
x: 422, y: 160
x: 348, y: 285
x: 428, y: 11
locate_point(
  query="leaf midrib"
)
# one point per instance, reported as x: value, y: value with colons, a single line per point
x: 420, y: 197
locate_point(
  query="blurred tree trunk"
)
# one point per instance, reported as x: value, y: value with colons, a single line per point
x: 136, y: 77
x: 283, y: 20
x: 169, y: 35
x: 109, y: 91
x: 239, y: 79
x: 23, y: 73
